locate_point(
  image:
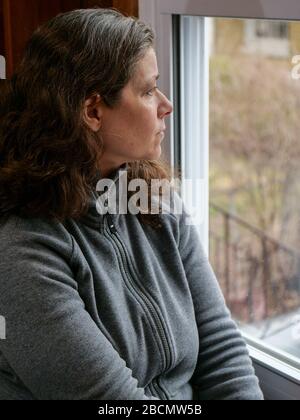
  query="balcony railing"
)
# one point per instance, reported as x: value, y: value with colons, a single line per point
x: 259, y: 276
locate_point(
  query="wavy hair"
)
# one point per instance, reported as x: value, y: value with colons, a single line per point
x: 49, y: 159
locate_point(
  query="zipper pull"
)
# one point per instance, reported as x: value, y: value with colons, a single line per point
x: 111, y: 224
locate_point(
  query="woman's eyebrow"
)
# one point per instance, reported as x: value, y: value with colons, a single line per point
x: 156, y: 77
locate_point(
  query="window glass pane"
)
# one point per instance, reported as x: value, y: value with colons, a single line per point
x: 254, y: 231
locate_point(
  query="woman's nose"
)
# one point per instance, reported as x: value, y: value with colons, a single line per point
x: 166, y: 107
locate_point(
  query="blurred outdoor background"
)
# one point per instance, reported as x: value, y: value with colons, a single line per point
x: 255, y: 175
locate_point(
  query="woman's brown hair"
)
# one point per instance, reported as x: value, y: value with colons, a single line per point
x: 48, y: 156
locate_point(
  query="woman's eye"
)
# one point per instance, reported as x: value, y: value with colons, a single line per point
x: 152, y: 90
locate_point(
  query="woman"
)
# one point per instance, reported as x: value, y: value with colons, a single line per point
x: 101, y: 306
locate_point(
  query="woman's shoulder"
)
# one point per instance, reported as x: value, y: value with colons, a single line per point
x: 175, y: 216
x: 175, y: 206
x: 17, y: 231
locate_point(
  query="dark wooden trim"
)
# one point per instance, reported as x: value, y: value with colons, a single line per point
x: 22, y: 17
x: 86, y: 4
x: 1, y: 29
x: 7, y: 32
x: 127, y: 7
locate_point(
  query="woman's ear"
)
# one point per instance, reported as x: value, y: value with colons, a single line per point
x: 92, y: 112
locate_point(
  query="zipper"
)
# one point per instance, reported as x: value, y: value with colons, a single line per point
x: 146, y: 299
x: 158, y: 389
x: 111, y: 224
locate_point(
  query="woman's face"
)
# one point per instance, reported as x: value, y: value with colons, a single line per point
x: 132, y: 129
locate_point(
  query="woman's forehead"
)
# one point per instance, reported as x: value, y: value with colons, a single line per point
x: 146, y: 71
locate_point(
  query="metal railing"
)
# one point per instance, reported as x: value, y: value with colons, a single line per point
x: 259, y: 276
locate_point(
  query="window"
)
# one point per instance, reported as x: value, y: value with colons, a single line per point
x: 271, y: 29
x: 235, y: 127
x: 267, y: 37
x: 254, y: 227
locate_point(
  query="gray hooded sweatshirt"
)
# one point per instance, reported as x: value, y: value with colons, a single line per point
x: 108, y: 308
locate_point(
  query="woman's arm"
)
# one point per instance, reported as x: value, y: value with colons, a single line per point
x: 52, y: 343
x: 224, y: 369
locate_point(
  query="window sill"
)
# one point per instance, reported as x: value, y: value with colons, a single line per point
x: 279, y: 380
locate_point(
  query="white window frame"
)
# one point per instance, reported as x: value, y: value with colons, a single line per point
x: 2, y: 67
x: 279, y: 379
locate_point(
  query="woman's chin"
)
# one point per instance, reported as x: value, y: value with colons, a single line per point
x: 152, y: 154
x: 155, y: 154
